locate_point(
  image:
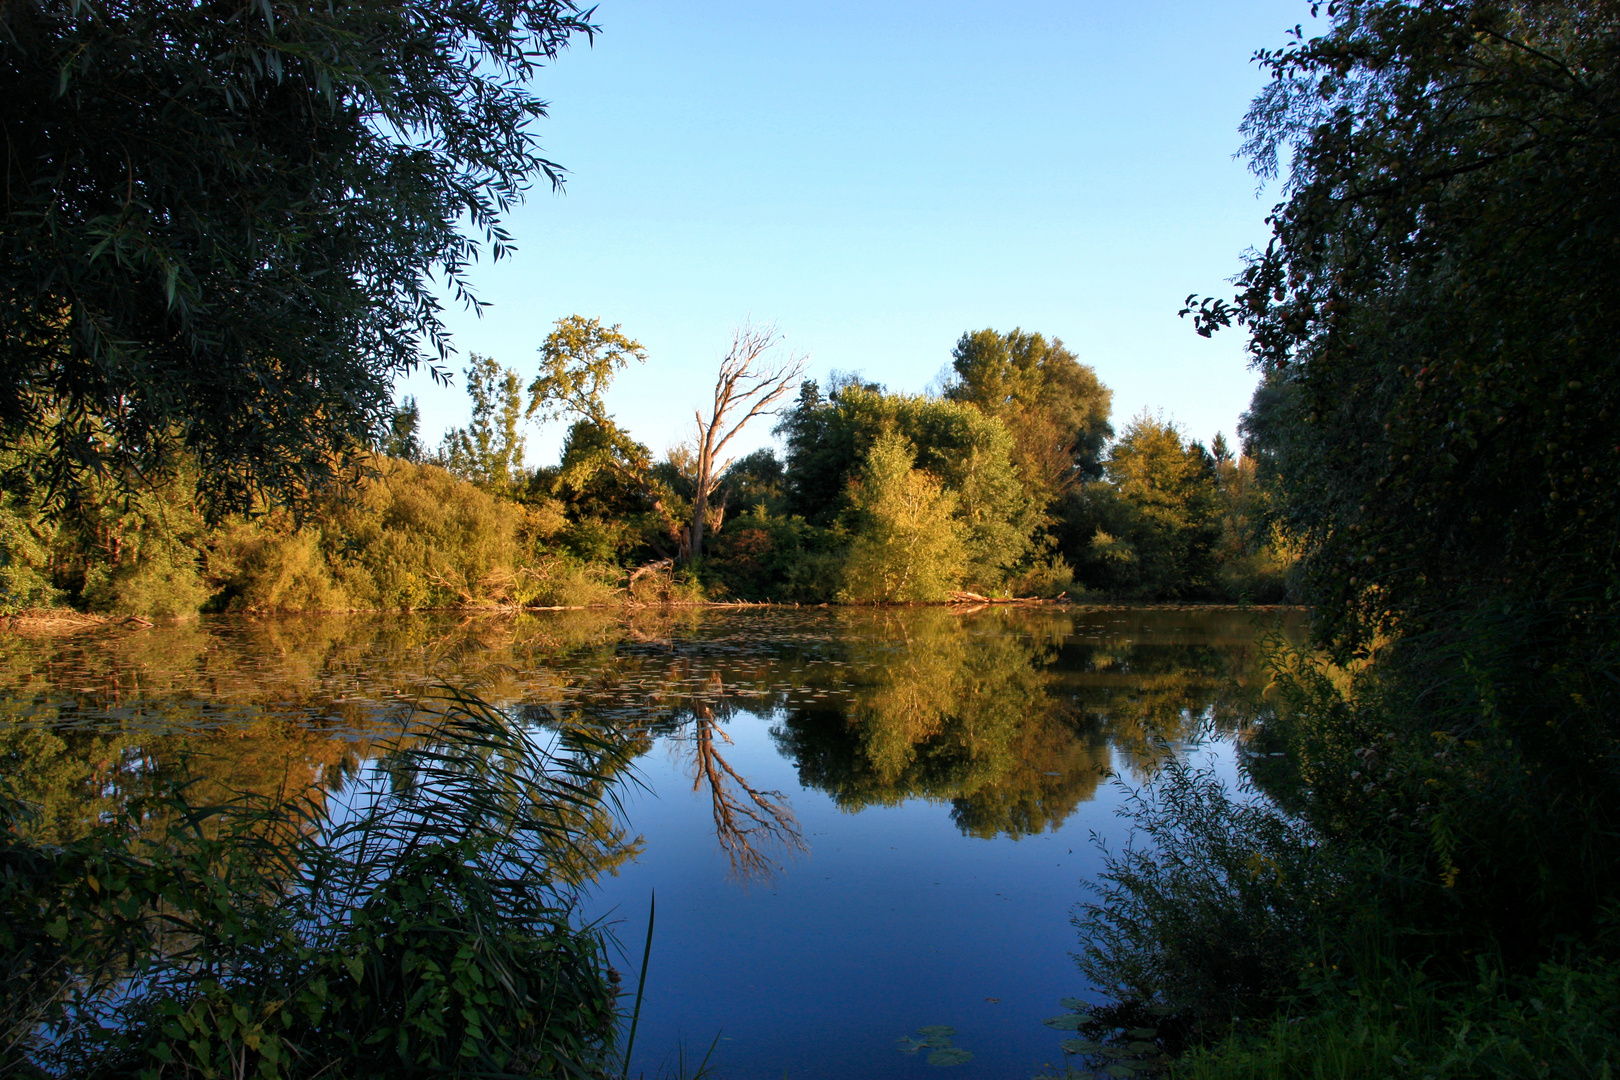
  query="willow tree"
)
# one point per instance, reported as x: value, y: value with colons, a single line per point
x: 228, y: 226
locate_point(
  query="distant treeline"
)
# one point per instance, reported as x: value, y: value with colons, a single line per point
x: 1011, y: 482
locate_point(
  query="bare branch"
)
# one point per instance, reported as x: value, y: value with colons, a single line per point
x: 749, y: 383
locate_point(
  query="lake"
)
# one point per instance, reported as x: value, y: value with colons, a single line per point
x: 856, y: 822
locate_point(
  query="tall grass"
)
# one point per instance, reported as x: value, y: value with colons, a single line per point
x: 1209, y: 909
x: 423, y: 925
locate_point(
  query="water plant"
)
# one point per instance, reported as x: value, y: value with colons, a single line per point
x: 936, y: 1039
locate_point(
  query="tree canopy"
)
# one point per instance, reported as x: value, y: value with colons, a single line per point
x: 228, y: 224
x: 1056, y: 407
x: 1434, y: 317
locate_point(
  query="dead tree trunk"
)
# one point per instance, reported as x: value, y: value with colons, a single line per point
x: 749, y: 383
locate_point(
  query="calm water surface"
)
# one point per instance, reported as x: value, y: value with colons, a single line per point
x: 856, y: 822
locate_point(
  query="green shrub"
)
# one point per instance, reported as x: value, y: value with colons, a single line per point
x: 25, y: 560
x: 1211, y: 907
x: 1564, y: 1021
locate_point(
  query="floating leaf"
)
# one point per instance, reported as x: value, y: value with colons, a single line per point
x: 950, y: 1055
x: 1072, y: 1003
x: 1140, y: 1047
x: 1071, y: 1022
x: 1080, y: 1046
x: 907, y: 1045
x: 1142, y: 1033
x: 936, y: 1029
x: 1119, y: 1070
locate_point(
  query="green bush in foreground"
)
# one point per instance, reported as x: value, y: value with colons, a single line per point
x: 418, y: 930
x: 1562, y: 1022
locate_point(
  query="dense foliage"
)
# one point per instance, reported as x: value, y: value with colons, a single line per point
x: 1434, y: 325
x: 226, y: 223
x: 1006, y: 485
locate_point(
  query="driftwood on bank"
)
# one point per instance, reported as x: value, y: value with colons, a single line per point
x: 961, y: 596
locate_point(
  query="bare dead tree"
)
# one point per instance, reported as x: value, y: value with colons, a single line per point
x: 750, y: 384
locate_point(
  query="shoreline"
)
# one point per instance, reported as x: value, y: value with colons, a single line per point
x: 67, y: 620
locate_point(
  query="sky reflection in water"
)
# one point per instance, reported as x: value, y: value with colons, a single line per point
x: 857, y: 822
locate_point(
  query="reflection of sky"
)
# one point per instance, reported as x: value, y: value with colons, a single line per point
x: 892, y: 921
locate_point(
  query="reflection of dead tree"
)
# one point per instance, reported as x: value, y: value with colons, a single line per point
x: 747, y: 820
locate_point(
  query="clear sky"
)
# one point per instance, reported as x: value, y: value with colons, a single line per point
x: 876, y: 179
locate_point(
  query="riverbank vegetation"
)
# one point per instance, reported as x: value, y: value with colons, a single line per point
x: 1432, y: 888
x: 421, y: 926
x: 878, y: 497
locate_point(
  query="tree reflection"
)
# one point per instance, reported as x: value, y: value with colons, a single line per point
x: 691, y: 706
x: 1013, y: 717
x: 950, y: 708
x: 748, y: 821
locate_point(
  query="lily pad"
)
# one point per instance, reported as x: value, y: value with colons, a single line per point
x: 1142, y: 1033
x: 949, y: 1055
x: 1072, y: 1003
x: 934, y: 1030
x: 1080, y: 1046
x: 1068, y: 1022
x: 1140, y: 1047
x: 1120, y: 1071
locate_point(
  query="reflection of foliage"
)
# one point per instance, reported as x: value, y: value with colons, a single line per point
x: 1211, y: 912
x: 422, y: 930
x: 1012, y: 717
x: 947, y: 713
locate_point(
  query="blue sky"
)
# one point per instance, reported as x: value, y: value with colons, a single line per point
x: 878, y: 179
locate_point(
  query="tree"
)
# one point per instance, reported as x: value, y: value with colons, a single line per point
x: 908, y: 545
x: 1055, y: 407
x: 404, y: 437
x: 1151, y: 529
x: 1433, y: 318
x: 968, y: 452
x: 488, y: 451
x: 227, y: 223
x: 578, y: 361
x: 749, y: 384
x: 1434, y: 324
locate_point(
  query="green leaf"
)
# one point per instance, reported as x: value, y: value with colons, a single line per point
x: 950, y: 1055
x: 935, y: 1030
x: 1073, y: 1003
x: 1081, y: 1046
x: 1119, y: 1070
x: 1142, y: 1033
x: 1069, y: 1022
